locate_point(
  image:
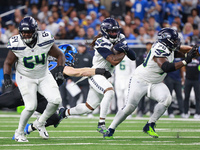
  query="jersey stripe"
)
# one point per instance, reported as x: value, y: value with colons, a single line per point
x: 45, y: 43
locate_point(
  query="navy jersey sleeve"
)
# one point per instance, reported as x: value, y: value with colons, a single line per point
x: 104, y: 52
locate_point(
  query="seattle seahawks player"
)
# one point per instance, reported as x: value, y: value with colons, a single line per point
x: 101, y: 90
x: 148, y: 79
x: 15, y: 97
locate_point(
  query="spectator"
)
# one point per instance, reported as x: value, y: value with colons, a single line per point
x: 192, y: 80
x: 195, y: 15
x: 89, y: 23
x: 34, y: 11
x: 56, y: 17
x: 90, y: 34
x: 81, y: 34
x: 154, y: 24
x: 52, y: 26
x: 62, y: 33
x: 127, y: 20
x: 68, y: 6
x: 142, y: 37
x: 178, y: 20
x: 92, y: 5
x: 138, y: 9
x: 194, y: 39
x: 17, y: 17
x: 153, y: 9
x: 3, y: 38
x: 187, y: 31
x: 71, y: 33
x: 151, y: 35
x: 10, y: 29
x: 129, y: 35
x: 44, y: 14
x: 173, y: 9
x: 187, y: 7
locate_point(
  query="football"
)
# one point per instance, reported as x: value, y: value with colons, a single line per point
x: 113, y: 49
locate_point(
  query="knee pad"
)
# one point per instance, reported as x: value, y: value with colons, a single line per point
x: 167, y: 101
x: 128, y: 109
x: 30, y: 108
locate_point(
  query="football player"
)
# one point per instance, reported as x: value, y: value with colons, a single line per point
x: 101, y: 90
x: 148, y: 79
x: 30, y: 49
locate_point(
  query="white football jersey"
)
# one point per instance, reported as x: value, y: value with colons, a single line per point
x: 98, y: 60
x: 149, y: 69
x: 32, y: 62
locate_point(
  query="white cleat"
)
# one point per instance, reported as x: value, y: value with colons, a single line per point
x: 20, y: 137
x: 41, y: 129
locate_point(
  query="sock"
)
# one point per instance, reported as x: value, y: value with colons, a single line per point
x: 158, y: 112
x: 119, y: 118
x: 25, y: 115
x: 50, y: 110
x: 101, y: 123
x: 105, y: 103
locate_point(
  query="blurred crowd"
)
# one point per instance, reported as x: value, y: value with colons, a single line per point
x: 80, y: 19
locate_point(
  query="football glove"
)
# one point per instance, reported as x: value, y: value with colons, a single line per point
x: 121, y: 47
x: 191, y: 54
x: 59, y: 77
x: 8, y: 83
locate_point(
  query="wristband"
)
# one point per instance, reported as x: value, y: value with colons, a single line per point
x: 99, y: 71
x: 60, y: 68
x: 6, y: 76
x: 184, y: 62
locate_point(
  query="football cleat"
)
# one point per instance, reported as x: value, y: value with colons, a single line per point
x: 61, y: 115
x: 20, y: 137
x: 109, y: 134
x: 149, y: 129
x: 41, y: 129
x: 102, y: 129
x: 26, y: 129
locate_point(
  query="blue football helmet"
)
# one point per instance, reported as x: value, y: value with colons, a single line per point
x: 170, y: 38
x: 28, y: 25
x: 69, y: 51
x: 109, y: 26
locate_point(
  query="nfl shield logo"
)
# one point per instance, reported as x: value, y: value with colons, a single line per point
x: 32, y: 50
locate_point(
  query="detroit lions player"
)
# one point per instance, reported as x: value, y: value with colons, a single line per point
x: 30, y: 49
x: 147, y: 79
x: 101, y: 90
x: 15, y: 97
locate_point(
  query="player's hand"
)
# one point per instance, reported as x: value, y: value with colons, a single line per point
x: 59, y: 77
x: 121, y: 47
x: 191, y: 54
x: 103, y: 72
x: 7, y: 83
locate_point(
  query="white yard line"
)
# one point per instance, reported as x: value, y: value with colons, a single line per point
x: 57, y: 144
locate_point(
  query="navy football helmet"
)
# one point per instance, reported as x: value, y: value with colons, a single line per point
x: 170, y: 38
x: 110, y: 29
x: 28, y: 29
x: 69, y: 51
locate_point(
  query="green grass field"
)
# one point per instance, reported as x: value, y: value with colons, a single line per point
x: 80, y: 134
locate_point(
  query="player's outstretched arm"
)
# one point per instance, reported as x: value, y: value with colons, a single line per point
x: 79, y: 72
